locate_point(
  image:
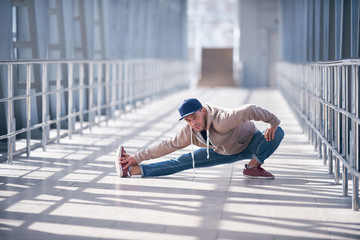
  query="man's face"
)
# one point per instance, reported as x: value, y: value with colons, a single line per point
x: 197, y: 120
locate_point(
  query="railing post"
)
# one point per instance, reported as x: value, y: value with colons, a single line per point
x: 126, y: 84
x: 345, y: 128
x: 28, y: 109
x: 107, y: 92
x: 338, y: 123
x: 331, y: 119
x: 345, y: 185
x: 81, y: 97
x: 113, y: 89
x: 10, y: 115
x: 99, y: 91
x: 330, y: 161
x: 70, y: 99
x: 91, y: 95
x: 356, y: 132
x: 44, y: 106
x: 58, y: 102
x: 131, y: 82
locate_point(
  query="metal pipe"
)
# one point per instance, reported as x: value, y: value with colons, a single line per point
x: 338, y: 124
x: 345, y: 128
x: 28, y: 108
x: 91, y: 95
x: 70, y: 99
x: 10, y: 115
x: 324, y: 153
x: 113, y: 89
x: 126, y: 83
x: 99, y: 93
x: 107, y: 91
x: 58, y: 102
x: 120, y: 86
x: 44, y: 106
x: 81, y: 96
x: 355, y: 179
x: 330, y: 161
x: 345, y: 185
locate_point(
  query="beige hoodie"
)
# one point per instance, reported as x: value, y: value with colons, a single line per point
x: 228, y: 130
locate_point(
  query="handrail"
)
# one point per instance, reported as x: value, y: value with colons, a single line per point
x: 325, y: 97
x: 78, y: 93
x: 337, y: 62
x: 41, y: 61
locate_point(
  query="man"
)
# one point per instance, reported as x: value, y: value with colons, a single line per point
x: 223, y: 135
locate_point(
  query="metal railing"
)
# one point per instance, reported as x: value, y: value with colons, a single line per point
x: 325, y: 97
x: 77, y: 94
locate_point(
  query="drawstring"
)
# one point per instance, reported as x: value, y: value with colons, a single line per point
x: 207, y: 147
x: 207, y: 143
x: 192, y: 151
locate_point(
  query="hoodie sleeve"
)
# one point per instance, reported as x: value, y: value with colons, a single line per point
x: 179, y: 141
x: 232, y: 118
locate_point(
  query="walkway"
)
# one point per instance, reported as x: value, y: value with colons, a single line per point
x: 71, y: 191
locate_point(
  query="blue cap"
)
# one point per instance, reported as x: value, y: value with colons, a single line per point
x: 188, y: 107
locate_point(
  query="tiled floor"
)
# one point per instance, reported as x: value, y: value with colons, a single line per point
x: 71, y: 190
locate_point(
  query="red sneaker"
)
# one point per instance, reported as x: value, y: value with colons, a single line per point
x: 119, y: 166
x: 257, y: 172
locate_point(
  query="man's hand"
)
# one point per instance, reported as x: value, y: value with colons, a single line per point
x: 129, y: 160
x: 270, y: 133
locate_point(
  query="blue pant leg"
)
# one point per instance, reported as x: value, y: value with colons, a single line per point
x: 265, y: 148
x: 167, y: 167
x: 184, y: 162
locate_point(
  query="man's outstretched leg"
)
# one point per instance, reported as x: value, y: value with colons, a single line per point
x: 181, y: 163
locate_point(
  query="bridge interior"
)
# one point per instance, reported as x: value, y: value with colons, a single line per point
x: 71, y: 191
x: 78, y: 78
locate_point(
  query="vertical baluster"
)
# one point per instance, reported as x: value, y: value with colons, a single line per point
x: 120, y: 87
x: 319, y: 113
x: 345, y: 129
x: 126, y: 83
x: 81, y: 97
x: 99, y: 92
x: 28, y: 108
x: 330, y: 160
x: 337, y: 124
x: 44, y: 106
x: 146, y: 76
x: 355, y: 185
x: 131, y: 82
x: 153, y: 79
x: 91, y: 95
x: 113, y: 89
x: 58, y: 101
x: 10, y: 115
x: 325, y: 111
x: 331, y: 122
x: 70, y: 99
x: 107, y: 91
x: 135, y: 81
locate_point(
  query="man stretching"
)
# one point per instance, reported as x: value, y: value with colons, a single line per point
x: 223, y: 135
